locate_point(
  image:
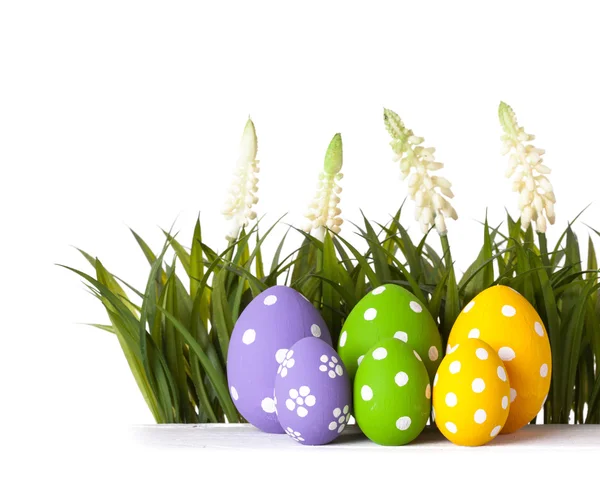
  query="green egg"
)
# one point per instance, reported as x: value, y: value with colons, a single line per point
x: 392, y: 394
x: 390, y: 311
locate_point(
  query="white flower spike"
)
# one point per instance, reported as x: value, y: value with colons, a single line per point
x: 244, y: 188
x: 324, y: 212
x: 430, y: 192
x: 536, y: 196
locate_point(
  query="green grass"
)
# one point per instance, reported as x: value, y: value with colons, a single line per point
x: 174, y: 331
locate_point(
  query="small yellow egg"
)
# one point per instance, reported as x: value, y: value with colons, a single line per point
x: 471, y: 394
x: 505, y: 320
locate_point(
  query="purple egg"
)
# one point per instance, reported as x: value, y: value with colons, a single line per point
x: 314, y: 399
x: 274, y: 320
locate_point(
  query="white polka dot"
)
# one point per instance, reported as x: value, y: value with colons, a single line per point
x: 366, y: 393
x: 289, y: 354
x: 504, y: 402
x: 268, y: 405
x: 310, y: 400
x: 401, y: 378
x: 284, y: 372
x: 323, y: 358
x: 346, y: 409
x: 468, y: 307
x: 280, y: 355
x: 480, y: 416
x: 341, y: 419
x: 401, y: 335
x: 513, y: 394
x: 293, y: 393
x: 249, y: 336
x: 481, y: 354
x: 331, y: 374
x: 428, y: 392
x: 334, y: 359
x: 380, y: 353
x: 341, y: 428
x: 416, y: 307
x: 501, y: 373
x: 495, y: 431
x: 417, y: 355
x: 506, y: 353
x: 478, y: 385
x: 370, y: 314
x: 451, y: 349
x: 336, y: 412
x: 323, y: 368
x: 290, y: 404
x: 451, y: 427
x: 454, y: 367
x: 435, y: 379
x: 332, y: 425
x: 539, y: 329
x: 339, y: 370
x: 378, y: 290
x: 508, y: 311
x: 343, y: 338
x: 315, y: 330
x: 290, y: 363
x: 360, y: 358
x: 451, y: 400
x: 474, y: 333
x: 331, y: 364
x: 544, y: 370
x: 403, y: 423
x: 433, y: 353
x: 270, y: 300
x: 234, y: 393
x: 302, y: 411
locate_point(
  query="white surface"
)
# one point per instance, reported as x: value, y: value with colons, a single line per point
x: 128, y: 113
x: 542, y: 438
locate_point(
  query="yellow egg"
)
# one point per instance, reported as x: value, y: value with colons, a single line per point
x: 471, y: 394
x: 508, y: 323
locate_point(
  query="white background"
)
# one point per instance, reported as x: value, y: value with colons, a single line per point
x: 120, y: 114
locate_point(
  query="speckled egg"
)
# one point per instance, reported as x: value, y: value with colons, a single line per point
x: 314, y: 399
x: 471, y: 394
x: 506, y: 321
x: 258, y: 350
x: 390, y: 311
x: 392, y: 394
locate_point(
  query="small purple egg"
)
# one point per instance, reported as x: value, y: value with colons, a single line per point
x: 314, y: 399
x: 258, y: 350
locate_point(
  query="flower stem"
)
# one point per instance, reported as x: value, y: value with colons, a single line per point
x: 544, y: 250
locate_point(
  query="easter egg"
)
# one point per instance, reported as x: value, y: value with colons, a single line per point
x: 511, y: 326
x: 314, y: 399
x: 258, y: 349
x: 392, y: 394
x: 471, y: 394
x: 390, y: 311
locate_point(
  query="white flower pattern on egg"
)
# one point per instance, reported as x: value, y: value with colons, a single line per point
x: 286, y: 363
x: 295, y: 435
x: 299, y: 400
x: 331, y: 366
x: 341, y: 417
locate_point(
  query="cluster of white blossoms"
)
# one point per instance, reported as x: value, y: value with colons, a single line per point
x: 324, y: 212
x: 536, y: 196
x: 430, y: 192
x: 242, y: 195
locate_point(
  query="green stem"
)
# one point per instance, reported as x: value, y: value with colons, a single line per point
x: 452, y: 305
x: 544, y: 251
